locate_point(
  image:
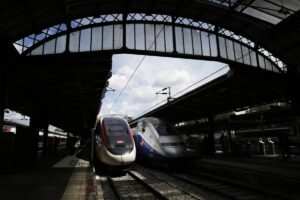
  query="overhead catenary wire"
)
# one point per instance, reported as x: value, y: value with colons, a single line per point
x: 135, y: 70
x: 206, y: 77
x: 139, y: 64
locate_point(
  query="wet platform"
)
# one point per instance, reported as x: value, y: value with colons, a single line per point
x: 59, y: 177
x: 265, y: 173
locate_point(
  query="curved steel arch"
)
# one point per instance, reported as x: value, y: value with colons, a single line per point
x: 150, y: 34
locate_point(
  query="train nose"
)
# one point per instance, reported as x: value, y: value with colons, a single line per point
x: 174, y: 151
x: 173, y: 146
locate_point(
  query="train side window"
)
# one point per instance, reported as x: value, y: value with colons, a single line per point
x: 138, y: 127
x: 143, y: 127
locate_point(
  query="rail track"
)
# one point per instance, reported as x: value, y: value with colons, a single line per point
x: 146, y: 183
x: 209, y: 185
x: 137, y: 185
x: 129, y: 187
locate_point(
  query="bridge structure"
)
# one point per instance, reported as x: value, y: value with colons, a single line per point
x: 57, y: 54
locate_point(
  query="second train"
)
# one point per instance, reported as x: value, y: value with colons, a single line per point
x: 157, y: 140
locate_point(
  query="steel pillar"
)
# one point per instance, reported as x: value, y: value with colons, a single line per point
x: 45, y: 138
x: 92, y: 147
x: 294, y: 81
x: 1, y: 117
x: 2, y: 102
x: 6, y: 59
x: 26, y: 146
x: 229, y: 135
x: 211, y: 138
x: 33, y: 137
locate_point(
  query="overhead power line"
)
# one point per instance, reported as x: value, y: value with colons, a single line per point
x: 206, y: 77
x: 135, y: 70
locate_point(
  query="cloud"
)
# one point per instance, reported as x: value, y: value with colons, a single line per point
x: 142, y: 94
x: 173, y: 77
x: 117, y: 81
x: 125, y: 70
x: 120, y: 77
x: 153, y: 74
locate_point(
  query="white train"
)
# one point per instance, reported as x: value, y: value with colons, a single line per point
x: 157, y: 139
x: 114, y: 145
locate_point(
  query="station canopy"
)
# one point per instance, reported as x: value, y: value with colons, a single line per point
x: 236, y: 90
x: 272, y: 25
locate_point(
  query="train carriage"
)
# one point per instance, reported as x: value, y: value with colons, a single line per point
x: 156, y: 139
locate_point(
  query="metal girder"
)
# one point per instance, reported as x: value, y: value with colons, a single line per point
x: 183, y: 30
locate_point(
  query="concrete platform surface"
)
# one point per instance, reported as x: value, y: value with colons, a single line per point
x: 69, y: 178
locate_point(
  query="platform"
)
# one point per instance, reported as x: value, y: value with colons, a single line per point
x: 265, y: 173
x: 66, y: 178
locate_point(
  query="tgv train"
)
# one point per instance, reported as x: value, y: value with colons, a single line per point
x: 157, y: 139
x: 114, y: 144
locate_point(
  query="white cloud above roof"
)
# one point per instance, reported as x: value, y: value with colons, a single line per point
x: 154, y: 74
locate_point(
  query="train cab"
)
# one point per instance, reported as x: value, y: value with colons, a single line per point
x: 114, y: 144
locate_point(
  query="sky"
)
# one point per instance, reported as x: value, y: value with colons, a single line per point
x: 154, y: 74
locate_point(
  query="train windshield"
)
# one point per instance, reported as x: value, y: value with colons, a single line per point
x: 165, y: 129
x: 116, y: 129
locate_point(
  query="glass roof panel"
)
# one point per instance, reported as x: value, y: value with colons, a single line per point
x: 272, y: 11
x: 79, y: 40
x: 268, y: 8
x: 261, y: 15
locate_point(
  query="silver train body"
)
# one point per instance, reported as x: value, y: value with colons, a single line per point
x: 157, y: 139
x: 114, y: 145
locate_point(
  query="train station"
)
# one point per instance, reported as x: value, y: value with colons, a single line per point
x: 148, y: 99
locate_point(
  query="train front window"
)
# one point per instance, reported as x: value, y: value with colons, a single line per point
x: 116, y: 129
x: 165, y: 129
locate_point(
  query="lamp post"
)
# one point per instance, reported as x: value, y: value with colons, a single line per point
x: 164, y: 93
x: 110, y: 89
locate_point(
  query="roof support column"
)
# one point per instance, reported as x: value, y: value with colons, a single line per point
x: 92, y: 146
x: 1, y: 117
x: 229, y: 135
x: 217, y: 40
x: 211, y: 137
x: 68, y: 23
x: 294, y: 81
x: 26, y: 145
x: 71, y: 141
x: 124, y: 30
x: 32, y: 139
x: 174, y: 34
x: 45, y: 138
x: 21, y: 148
x: 3, y: 95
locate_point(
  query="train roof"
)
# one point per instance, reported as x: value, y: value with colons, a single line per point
x: 110, y: 117
x: 113, y: 119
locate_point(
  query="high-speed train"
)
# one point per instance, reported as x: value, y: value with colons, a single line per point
x: 156, y: 139
x: 114, y: 145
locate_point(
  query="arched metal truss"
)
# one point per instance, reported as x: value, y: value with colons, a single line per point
x: 155, y: 34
